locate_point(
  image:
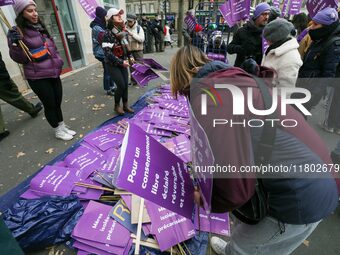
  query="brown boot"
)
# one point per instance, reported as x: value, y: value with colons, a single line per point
x: 127, y: 108
x: 119, y: 110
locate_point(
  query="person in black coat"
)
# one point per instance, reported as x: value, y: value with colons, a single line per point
x: 157, y: 30
x: 247, y: 40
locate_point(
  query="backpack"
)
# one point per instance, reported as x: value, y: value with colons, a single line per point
x: 255, y: 209
x: 328, y: 44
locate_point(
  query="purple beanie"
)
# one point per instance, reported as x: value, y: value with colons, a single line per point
x: 326, y: 16
x: 260, y: 8
x: 21, y: 5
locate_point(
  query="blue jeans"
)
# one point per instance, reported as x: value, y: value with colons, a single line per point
x: 108, y: 83
x: 267, y: 237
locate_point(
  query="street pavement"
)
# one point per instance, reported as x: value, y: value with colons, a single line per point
x: 31, y: 143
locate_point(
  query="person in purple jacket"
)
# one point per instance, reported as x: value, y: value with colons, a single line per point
x: 42, y: 70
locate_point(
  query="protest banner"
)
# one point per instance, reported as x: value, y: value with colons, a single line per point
x: 314, y: 6
x: 225, y: 10
x: 240, y: 10
x: 6, y: 2
x: 89, y: 7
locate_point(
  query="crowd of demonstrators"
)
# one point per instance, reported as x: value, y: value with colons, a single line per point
x: 282, y: 54
x: 98, y: 27
x: 158, y: 33
x: 9, y: 93
x: 43, y: 71
x: 216, y: 45
x: 118, y: 58
x: 300, y: 22
x: 149, y: 38
x: 247, y: 40
x: 295, y: 205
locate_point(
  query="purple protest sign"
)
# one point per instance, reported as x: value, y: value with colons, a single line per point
x: 240, y: 9
x: 168, y: 227
x: 190, y: 21
x: 6, y: 2
x: 52, y: 180
x: 111, y: 159
x: 149, y: 170
x: 89, y: 7
x: 86, y: 160
x: 101, y: 249
x: 152, y: 63
x: 216, y: 56
x: 226, y: 13
x: 104, y: 140
x: 265, y: 45
x: 314, y: 6
x: 217, y: 223
x: 96, y: 225
x: 140, y: 68
x: 143, y: 78
x: 276, y: 3
x: 295, y: 7
x: 202, y: 157
x: 182, y: 147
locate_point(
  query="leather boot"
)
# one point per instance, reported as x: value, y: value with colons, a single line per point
x: 119, y: 110
x: 127, y: 108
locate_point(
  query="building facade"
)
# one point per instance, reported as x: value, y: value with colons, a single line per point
x: 68, y: 24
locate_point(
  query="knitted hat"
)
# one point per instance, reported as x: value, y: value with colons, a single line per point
x: 101, y: 12
x: 277, y: 30
x: 260, y: 8
x: 21, y: 5
x: 326, y: 16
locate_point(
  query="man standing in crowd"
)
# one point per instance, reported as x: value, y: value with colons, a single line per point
x: 148, y: 42
x: 157, y: 30
x: 247, y: 41
x: 9, y: 93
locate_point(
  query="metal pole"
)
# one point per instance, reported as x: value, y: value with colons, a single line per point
x: 141, y: 8
x: 180, y: 22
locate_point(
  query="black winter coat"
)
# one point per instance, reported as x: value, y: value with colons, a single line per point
x: 3, y: 71
x: 247, y: 42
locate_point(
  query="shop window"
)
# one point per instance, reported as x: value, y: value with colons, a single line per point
x: 111, y: 3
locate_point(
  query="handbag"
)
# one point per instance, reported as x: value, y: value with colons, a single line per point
x: 255, y: 209
x: 41, y: 53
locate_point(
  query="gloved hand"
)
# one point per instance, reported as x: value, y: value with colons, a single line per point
x: 14, y: 35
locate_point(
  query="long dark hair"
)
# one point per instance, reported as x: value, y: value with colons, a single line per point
x: 300, y: 22
x: 23, y: 23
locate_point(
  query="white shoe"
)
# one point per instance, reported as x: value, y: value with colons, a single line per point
x: 62, y: 134
x: 218, y: 245
x: 66, y: 129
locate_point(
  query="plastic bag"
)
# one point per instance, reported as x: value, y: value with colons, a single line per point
x: 39, y: 223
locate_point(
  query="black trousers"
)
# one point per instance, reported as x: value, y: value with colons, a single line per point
x: 50, y: 93
x: 121, y: 77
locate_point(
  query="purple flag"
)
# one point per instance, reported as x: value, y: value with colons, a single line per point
x: 314, y: 6
x: 168, y: 227
x: 97, y: 225
x: 226, y: 13
x: 190, y: 21
x: 149, y: 170
x: 6, y: 2
x: 295, y: 7
x: 89, y: 7
x: 143, y: 78
x: 276, y: 3
x: 217, y: 223
x: 240, y: 9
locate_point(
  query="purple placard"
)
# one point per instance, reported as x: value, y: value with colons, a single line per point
x: 226, y: 13
x: 240, y: 9
x: 284, y: 8
x: 6, y: 2
x: 265, y: 45
x: 173, y: 128
x: 96, y: 225
x: 168, y: 227
x: 295, y: 7
x: 52, y: 180
x: 314, y: 6
x: 104, y: 140
x: 190, y: 21
x: 150, y: 129
x: 95, y: 248
x: 89, y: 7
x: 86, y: 160
x: 149, y: 170
x: 217, y: 223
x: 143, y: 78
x: 153, y: 64
x: 111, y: 160
x: 140, y: 67
x: 216, y: 56
x: 181, y: 147
x: 276, y: 3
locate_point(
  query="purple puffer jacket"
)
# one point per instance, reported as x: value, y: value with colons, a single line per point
x: 48, y: 68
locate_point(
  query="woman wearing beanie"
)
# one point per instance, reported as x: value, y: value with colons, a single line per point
x: 43, y: 69
x: 98, y: 26
x: 118, y: 58
x: 321, y: 61
x: 282, y: 55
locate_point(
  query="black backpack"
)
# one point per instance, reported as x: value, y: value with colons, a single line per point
x: 257, y: 208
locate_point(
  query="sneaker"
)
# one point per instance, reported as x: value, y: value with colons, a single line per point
x: 218, y: 245
x: 37, y: 108
x: 4, y: 135
x: 67, y: 129
x: 61, y: 134
x: 326, y: 128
